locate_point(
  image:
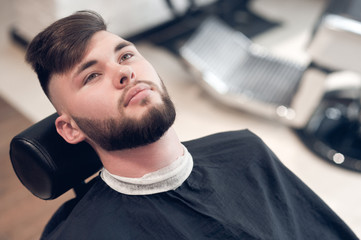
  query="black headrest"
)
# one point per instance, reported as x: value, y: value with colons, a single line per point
x: 46, y: 164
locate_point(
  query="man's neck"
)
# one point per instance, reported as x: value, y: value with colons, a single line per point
x: 137, y: 162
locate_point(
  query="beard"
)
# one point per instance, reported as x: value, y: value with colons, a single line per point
x: 125, y: 132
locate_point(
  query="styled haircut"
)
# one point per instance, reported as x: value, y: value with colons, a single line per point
x: 62, y: 45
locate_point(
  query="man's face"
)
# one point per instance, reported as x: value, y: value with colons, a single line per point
x: 114, y: 95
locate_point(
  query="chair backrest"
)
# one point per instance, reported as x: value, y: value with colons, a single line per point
x: 46, y: 164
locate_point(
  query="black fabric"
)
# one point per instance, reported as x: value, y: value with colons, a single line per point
x: 238, y: 189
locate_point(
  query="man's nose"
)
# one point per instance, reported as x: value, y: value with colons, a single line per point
x: 124, y: 75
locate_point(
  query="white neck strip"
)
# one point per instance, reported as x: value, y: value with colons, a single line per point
x: 162, y: 180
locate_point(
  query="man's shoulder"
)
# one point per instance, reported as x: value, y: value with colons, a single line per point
x: 226, y: 142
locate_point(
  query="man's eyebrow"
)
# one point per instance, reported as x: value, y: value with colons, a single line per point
x: 85, y: 66
x: 122, y: 45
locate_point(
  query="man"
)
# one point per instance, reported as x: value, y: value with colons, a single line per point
x: 152, y: 186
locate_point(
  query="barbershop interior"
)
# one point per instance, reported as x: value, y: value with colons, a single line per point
x: 287, y: 70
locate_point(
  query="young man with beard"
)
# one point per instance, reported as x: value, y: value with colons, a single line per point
x: 224, y: 186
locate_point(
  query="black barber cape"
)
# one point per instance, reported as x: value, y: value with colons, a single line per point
x: 238, y: 189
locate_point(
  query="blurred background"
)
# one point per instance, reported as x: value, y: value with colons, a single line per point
x: 301, y: 55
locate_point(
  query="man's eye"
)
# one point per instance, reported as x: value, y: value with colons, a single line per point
x: 90, y: 77
x: 126, y: 57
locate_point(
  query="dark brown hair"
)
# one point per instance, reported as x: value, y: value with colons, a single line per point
x: 61, y: 45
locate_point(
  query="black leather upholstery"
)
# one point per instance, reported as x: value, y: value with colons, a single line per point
x: 47, y: 165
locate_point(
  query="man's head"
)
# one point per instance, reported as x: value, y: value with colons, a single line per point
x: 104, y: 90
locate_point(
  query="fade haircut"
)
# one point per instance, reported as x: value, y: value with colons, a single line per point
x: 62, y: 45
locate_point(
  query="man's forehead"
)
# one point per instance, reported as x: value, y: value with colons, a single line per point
x: 105, y: 39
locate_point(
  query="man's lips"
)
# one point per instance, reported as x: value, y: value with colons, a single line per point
x: 133, y: 91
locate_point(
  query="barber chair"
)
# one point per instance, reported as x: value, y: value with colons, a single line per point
x: 246, y: 76
x: 334, y: 129
x: 48, y: 166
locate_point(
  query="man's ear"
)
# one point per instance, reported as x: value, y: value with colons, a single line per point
x: 67, y: 128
